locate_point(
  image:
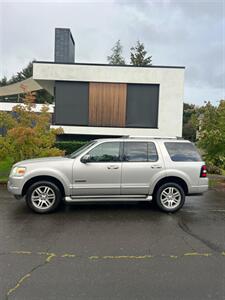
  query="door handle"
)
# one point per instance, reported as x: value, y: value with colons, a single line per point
x: 156, y: 167
x: 113, y: 167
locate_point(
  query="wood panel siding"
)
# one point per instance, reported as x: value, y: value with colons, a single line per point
x: 107, y: 104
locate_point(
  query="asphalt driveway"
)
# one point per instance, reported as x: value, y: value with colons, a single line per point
x: 113, y: 251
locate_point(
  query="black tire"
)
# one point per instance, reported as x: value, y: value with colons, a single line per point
x: 160, y: 198
x: 56, y: 200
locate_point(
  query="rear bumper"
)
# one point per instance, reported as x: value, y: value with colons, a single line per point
x: 198, y: 190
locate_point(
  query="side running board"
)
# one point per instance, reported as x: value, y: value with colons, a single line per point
x: 110, y: 198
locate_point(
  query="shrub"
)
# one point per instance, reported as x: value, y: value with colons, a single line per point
x: 28, y: 134
x: 212, y: 134
x: 212, y: 169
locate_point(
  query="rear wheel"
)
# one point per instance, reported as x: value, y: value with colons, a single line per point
x: 170, y: 197
x: 43, y: 197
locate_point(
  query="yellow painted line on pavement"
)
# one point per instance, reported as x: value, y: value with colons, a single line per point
x: 197, y: 254
x: 18, y: 284
x: 68, y: 255
x: 126, y: 257
x: 21, y: 252
x: 51, y: 255
x: 48, y: 259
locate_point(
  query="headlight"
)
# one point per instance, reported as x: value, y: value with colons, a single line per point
x: 18, y: 171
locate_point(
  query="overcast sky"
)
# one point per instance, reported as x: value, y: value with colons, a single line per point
x: 186, y: 33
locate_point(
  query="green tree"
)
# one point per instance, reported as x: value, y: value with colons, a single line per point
x: 212, y: 133
x: 189, y: 128
x: 28, y: 134
x: 116, y: 57
x: 138, y: 55
x: 3, y: 81
x: 26, y: 72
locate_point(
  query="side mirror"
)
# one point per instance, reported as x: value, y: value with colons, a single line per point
x: 86, y: 158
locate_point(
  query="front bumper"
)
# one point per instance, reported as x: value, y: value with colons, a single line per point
x: 15, y: 185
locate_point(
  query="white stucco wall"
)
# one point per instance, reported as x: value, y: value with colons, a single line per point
x: 171, y: 80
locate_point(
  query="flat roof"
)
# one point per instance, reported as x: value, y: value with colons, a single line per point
x: 108, y: 65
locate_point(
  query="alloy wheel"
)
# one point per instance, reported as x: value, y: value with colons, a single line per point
x: 43, y: 197
x: 170, y: 197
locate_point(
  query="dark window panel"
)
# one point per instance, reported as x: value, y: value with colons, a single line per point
x: 142, y: 105
x: 71, y: 103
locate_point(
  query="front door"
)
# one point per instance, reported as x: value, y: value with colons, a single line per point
x: 140, y: 165
x: 101, y: 174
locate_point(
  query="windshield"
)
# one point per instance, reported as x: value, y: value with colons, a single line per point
x: 81, y: 149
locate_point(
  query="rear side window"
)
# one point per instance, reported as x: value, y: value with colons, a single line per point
x: 140, y: 152
x: 182, y: 151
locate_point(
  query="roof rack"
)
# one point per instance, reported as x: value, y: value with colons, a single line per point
x: 152, y: 137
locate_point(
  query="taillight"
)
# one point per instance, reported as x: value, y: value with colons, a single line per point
x: 203, y: 171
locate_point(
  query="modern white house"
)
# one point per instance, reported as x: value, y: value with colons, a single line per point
x: 114, y: 100
x: 111, y: 100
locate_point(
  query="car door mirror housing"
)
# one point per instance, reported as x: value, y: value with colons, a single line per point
x: 86, y: 158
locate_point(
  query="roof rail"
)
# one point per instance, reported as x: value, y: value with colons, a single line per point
x: 153, y: 137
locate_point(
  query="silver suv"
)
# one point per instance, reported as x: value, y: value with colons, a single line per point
x: 164, y: 170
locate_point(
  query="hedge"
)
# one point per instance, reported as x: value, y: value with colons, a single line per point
x: 69, y: 146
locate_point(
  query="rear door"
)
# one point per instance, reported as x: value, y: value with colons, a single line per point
x: 141, y: 162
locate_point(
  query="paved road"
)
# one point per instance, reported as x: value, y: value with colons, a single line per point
x: 113, y: 251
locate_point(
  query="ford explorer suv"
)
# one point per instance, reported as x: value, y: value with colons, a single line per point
x: 163, y: 170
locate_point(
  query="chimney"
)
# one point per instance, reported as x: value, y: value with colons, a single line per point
x: 64, y: 46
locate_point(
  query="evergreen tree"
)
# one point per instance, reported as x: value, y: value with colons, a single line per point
x: 138, y: 55
x: 4, y: 81
x: 116, y: 57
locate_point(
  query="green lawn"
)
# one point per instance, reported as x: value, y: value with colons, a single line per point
x: 5, y: 167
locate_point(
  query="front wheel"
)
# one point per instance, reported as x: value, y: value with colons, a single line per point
x: 43, y: 197
x: 170, y: 197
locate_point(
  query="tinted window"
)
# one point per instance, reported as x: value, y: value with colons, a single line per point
x: 106, y: 152
x: 182, y: 152
x: 140, y: 152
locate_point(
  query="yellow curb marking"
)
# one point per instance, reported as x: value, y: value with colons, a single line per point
x: 223, y: 253
x: 18, y: 284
